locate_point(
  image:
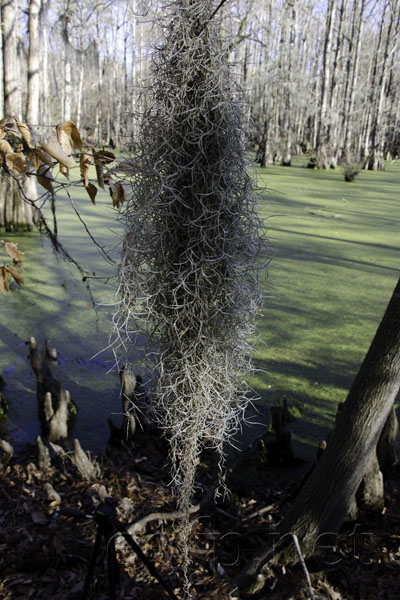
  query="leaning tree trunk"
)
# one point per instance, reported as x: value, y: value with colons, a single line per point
x: 323, y: 502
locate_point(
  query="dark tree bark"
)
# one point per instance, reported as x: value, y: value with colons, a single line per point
x: 326, y: 496
x: 386, y: 448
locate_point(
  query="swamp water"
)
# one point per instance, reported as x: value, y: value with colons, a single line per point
x: 55, y: 304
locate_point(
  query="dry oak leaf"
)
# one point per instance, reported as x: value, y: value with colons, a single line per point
x: 13, y: 252
x: 39, y: 156
x: 101, y: 158
x: 54, y: 148
x: 71, y: 131
x: 118, y: 194
x: 85, y: 162
x: 25, y: 132
x: 92, y: 191
x: 45, y: 177
x: 99, y: 169
x: 5, y: 147
x: 19, y: 280
x: 64, y: 141
x: 64, y: 171
x: 4, y: 285
x: 15, y: 162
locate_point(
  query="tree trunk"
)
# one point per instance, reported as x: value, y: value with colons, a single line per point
x: 12, y: 92
x: 67, y: 84
x: 288, y: 134
x: 335, y: 89
x: 44, y: 66
x: 97, y: 131
x: 1, y: 65
x: 352, y: 68
x: 375, y: 159
x: 15, y: 213
x: 370, y: 494
x: 386, y: 448
x: 326, y: 496
x: 79, y: 95
x: 32, y: 110
x: 322, y: 149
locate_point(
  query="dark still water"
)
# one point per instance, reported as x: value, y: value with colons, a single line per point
x: 55, y: 304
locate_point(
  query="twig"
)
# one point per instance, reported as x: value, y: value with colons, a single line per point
x: 101, y: 248
x: 217, y: 9
x: 159, y: 516
x: 261, y: 511
x: 212, y: 16
x: 57, y: 246
x: 303, y: 566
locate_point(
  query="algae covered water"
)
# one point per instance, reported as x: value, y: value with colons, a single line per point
x: 55, y: 304
x: 335, y: 262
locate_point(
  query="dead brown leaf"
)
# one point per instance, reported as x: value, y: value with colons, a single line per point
x: 4, y: 284
x: 54, y: 148
x: 118, y: 194
x: 85, y: 162
x: 64, y: 171
x: 72, y: 132
x: 45, y: 177
x: 16, y: 163
x: 64, y: 140
x: 5, y: 147
x: 19, y: 280
x: 25, y: 132
x: 102, y: 158
x: 99, y: 169
x: 39, y: 156
x: 13, y: 252
x: 92, y: 191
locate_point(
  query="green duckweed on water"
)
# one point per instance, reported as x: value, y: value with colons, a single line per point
x: 336, y: 258
x: 55, y: 304
x: 335, y: 261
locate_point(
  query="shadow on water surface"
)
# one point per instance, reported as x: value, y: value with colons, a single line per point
x: 54, y: 304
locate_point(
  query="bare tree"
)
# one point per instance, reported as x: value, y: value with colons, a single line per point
x: 12, y: 88
x: 66, y: 20
x: 375, y: 159
x: 32, y: 110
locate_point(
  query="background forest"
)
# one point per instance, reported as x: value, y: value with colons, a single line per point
x: 321, y: 77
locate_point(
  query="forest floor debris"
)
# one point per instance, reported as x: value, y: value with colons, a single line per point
x: 45, y: 555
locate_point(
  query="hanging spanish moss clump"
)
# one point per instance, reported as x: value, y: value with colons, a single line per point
x: 188, y: 274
